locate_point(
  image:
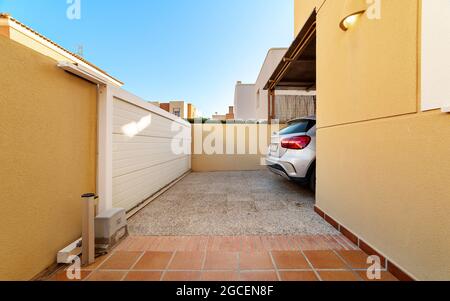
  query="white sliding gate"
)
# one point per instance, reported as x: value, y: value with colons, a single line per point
x: 146, y: 153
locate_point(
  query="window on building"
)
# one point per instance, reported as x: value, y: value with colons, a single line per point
x: 435, y: 63
x: 177, y: 112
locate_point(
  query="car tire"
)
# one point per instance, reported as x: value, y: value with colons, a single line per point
x: 312, y: 180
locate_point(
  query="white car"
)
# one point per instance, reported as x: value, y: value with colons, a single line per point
x: 292, y: 153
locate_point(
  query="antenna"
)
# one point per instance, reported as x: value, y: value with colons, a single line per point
x: 80, y: 50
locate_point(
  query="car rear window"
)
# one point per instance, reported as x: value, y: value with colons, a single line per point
x: 299, y: 127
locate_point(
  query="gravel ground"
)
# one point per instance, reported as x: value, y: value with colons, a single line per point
x: 231, y: 203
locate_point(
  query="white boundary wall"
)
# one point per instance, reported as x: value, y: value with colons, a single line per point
x: 137, y: 157
x: 435, y: 55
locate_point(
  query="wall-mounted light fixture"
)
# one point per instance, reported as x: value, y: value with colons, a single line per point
x: 353, y: 10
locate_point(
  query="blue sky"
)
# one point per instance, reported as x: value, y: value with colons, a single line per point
x: 163, y: 50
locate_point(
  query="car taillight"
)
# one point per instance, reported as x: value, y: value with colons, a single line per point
x: 299, y: 142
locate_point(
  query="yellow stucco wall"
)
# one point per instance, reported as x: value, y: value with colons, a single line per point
x: 204, y: 163
x: 382, y: 166
x: 388, y: 182
x: 47, y: 155
x: 33, y: 43
x: 302, y: 11
x: 4, y: 31
x: 370, y: 77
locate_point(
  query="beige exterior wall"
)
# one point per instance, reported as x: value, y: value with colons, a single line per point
x: 382, y: 165
x: 249, y: 160
x: 48, y: 154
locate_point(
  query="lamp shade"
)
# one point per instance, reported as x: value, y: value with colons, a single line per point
x: 352, y: 10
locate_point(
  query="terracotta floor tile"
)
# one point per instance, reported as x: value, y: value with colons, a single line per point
x: 138, y: 244
x: 168, y: 244
x: 152, y: 243
x: 231, y: 244
x: 285, y: 243
x: 344, y: 242
x: 124, y: 244
x: 187, y: 261
x: 154, y: 261
x: 339, y: 276
x: 356, y: 259
x: 182, y: 276
x: 259, y: 276
x: 214, y: 244
x: 296, y: 241
x: 255, y: 261
x: 308, y: 242
x: 385, y: 276
x: 195, y: 244
x: 220, y: 276
x: 224, y: 244
x: 143, y: 276
x: 271, y: 243
x: 98, y: 262
x: 62, y: 276
x: 325, y: 260
x: 331, y: 243
x: 252, y: 244
x: 298, y: 276
x: 313, y: 242
x: 106, y: 276
x: 184, y: 243
x: 121, y: 260
x: 290, y: 260
x: 221, y: 261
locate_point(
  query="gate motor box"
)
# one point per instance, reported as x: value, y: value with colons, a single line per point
x: 110, y: 228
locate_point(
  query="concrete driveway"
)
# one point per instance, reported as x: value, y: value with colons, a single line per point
x: 231, y: 203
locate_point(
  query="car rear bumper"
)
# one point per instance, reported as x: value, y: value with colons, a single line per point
x: 277, y: 169
x: 293, y: 165
x: 284, y: 169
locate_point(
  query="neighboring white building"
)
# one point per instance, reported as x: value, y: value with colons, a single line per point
x: 251, y: 100
x: 273, y: 58
x: 245, y: 102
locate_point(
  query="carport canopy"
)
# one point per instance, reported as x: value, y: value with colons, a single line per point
x: 297, y: 69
